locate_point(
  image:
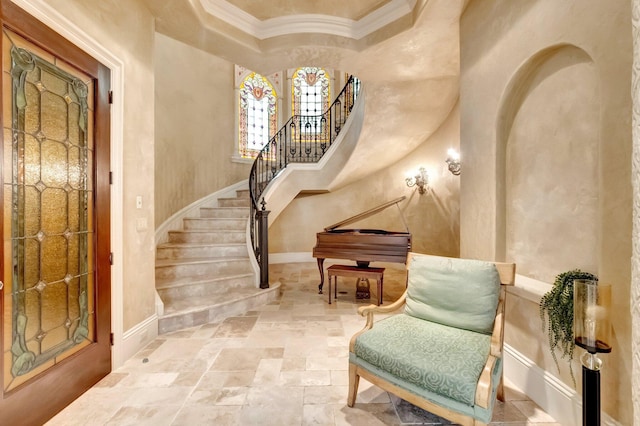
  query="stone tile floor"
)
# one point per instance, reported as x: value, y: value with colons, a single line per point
x: 283, y: 364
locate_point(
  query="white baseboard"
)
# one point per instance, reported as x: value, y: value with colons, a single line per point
x: 556, y: 398
x: 300, y: 257
x: 307, y: 256
x: 136, y: 338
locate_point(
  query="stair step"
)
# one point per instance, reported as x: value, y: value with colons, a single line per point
x: 243, y: 193
x: 233, y: 202
x: 202, y: 267
x: 215, y: 223
x: 172, y: 290
x: 214, y: 237
x: 204, y: 274
x: 202, y: 310
x: 195, y: 250
x: 221, y: 212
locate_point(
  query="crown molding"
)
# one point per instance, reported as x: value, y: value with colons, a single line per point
x: 383, y: 16
x: 308, y: 23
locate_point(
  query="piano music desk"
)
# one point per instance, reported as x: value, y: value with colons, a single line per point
x: 353, y: 271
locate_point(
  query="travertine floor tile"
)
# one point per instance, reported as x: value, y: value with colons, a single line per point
x: 237, y: 359
x: 532, y: 412
x: 187, y: 378
x: 367, y: 415
x: 159, y: 396
x: 268, y: 372
x: 207, y: 415
x: 95, y: 407
x: 235, y: 327
x: 148, y: 380
x: 325, y: 394
x: 281, y: 364
x: 317, y: 415
x: 150, y: 415
x: 232, y: 396
x: 274, y: 405
x: 507, y: 412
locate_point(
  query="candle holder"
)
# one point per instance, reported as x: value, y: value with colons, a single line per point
x: 592, y: 332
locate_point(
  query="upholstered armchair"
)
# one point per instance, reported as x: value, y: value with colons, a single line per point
x: 443, y: 351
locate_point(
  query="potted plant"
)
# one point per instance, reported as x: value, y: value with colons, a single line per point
x: 557, y: 306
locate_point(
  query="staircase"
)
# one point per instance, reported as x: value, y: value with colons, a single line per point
x: 203, y: 274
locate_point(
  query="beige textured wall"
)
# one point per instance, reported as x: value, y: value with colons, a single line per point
x: 421, y: 63
x: 432, y: 218
x: 635, y: 259
x: 126, y: 29
x: 546, y: 143
x: 194, y: 126
x: 560, y: 145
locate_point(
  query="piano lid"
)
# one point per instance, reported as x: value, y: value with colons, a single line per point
x: 368, y: 213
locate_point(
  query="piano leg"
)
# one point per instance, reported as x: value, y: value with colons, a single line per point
x: 321, y: 269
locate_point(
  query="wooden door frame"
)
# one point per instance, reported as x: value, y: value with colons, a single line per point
x: 98, y: 355
x: 49, y: 16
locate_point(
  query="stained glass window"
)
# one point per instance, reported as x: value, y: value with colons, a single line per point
x: 258, y: 114
x: 310, y: 98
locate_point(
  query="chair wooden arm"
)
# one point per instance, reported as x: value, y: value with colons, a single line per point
x: 369, y: 310
x: 497, y: 336
x: 483, y: 390
x: 507, y: 272
x: 375, y: 309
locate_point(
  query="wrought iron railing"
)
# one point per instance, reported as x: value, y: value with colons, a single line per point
x: 303, y: 139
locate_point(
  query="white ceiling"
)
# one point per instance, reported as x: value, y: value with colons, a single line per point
x: 268, y: 9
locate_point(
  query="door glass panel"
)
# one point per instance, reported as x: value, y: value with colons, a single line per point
x: 49, y: 306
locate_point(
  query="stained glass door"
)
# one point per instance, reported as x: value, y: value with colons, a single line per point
x: 50, y: 198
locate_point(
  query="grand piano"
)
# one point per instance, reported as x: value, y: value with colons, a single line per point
x: 361, y: 245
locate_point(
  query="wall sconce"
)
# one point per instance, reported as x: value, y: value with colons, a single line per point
x: 421, y: 179
x: 453, y: 161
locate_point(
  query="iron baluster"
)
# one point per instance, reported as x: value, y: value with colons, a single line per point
x: 293, y: 143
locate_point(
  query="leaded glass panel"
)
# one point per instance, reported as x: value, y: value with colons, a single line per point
x: 258, y: 114
x: 310, y: 98
x: 48, y: 211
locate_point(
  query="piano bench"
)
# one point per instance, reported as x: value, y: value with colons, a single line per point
x: 356, y: 272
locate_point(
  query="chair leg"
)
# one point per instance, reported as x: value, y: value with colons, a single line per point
x: 354, y: 381
x: 500, y: 393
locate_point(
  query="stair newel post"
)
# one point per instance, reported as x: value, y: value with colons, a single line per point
x: 262, y: 217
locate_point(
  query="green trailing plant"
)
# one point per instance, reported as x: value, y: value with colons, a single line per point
x: 557, y: 306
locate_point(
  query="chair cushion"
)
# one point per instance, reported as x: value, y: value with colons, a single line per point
x: 461, y: 293
x: 444, y: 360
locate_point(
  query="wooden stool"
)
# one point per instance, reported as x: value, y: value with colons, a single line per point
x: 354, y: 271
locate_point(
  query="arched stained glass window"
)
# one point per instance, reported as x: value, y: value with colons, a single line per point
x: 258, y: 114
x: 310, y: 95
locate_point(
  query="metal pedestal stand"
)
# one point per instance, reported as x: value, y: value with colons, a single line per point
x: 591, y: 365
x: 592, y: 331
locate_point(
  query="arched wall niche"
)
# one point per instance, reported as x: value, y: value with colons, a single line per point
x: 548, y: 132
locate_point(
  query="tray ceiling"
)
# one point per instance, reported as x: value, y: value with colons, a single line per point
x: 352, y: 19
x: 268, y: 9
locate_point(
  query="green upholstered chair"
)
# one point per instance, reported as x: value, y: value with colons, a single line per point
x: 443, y: 351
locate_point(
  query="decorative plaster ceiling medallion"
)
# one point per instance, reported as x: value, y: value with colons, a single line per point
x: 308, y: 23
